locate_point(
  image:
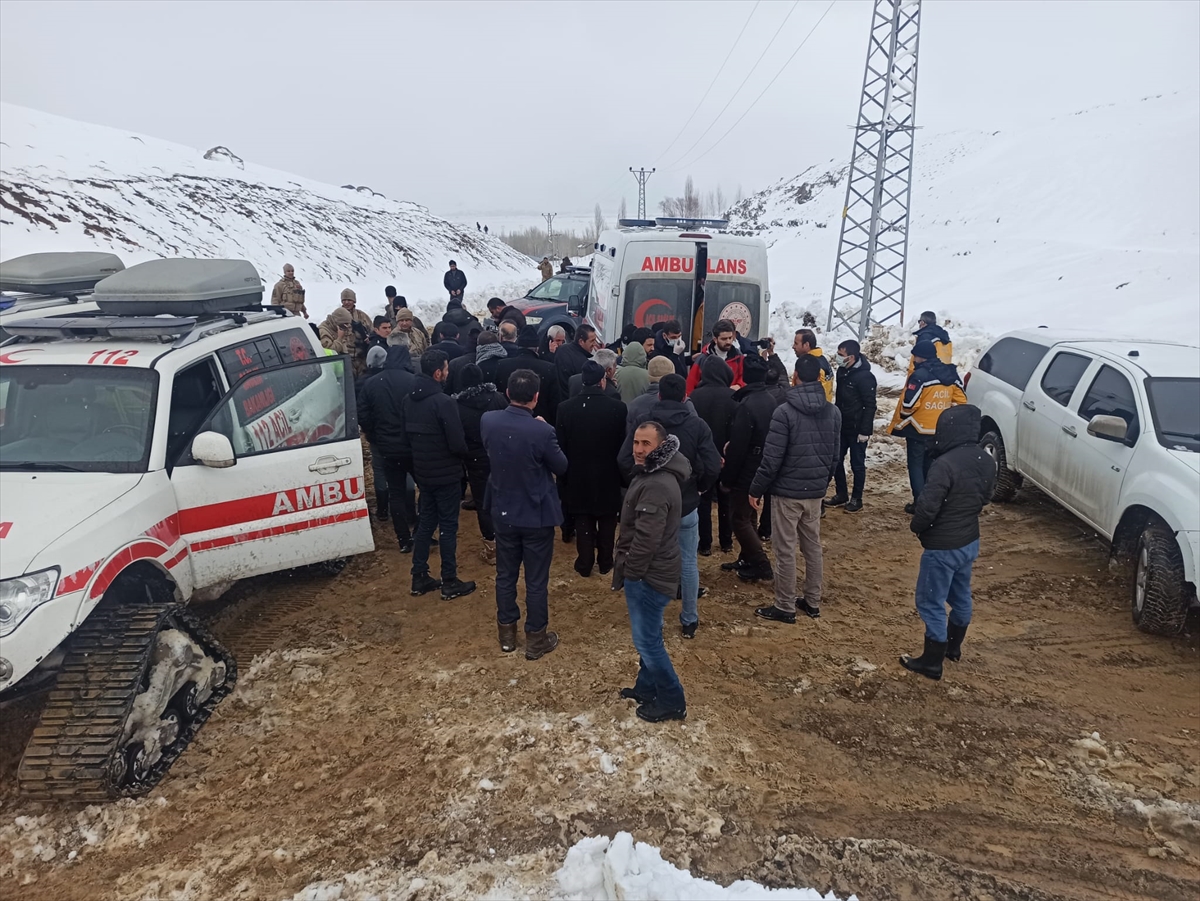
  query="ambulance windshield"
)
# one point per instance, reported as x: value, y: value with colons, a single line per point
x: 76, y: 418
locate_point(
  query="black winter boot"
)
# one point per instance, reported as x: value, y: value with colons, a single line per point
x: 381, y: 506
x: 929, y: 664
x: 954, y: 639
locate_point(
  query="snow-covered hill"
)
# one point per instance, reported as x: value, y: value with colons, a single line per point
x: 1090, y: 219
x: 67, y: 185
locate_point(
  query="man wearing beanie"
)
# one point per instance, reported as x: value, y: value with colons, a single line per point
x: 638, y: 409
x: 527, y: 357
x: 932, y: 388
x: 751, y: 422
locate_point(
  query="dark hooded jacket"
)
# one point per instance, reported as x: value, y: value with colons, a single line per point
x: 434, y: 434
x: 451, y: 348
x: 638, y: 409
x: 568, y: 361
x: 591, y: 430
x: 802, y: 446
x: 934, y: 333
x: 695, y: 443
x: 648, y: 547
x: 548, y: 396
x: 473, y: 402
x: 381, y: 403
x: 713, y: 400
x: 856, y: 398
x: 460, y: 317
x: 753, y: 407
x: 960, y: 483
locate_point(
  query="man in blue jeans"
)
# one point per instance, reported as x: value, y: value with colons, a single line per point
x: 435, y: 442
x: 523, y: 501
x: 961, y: 480
x: 647, y: 566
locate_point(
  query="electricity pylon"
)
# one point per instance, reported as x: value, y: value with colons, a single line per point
x: 868, y: 281
x: 642, y: 176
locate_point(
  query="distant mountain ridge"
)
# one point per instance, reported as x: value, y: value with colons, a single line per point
x: 67, y: 185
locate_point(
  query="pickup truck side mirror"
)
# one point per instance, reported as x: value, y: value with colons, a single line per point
x: 575, y: 303
x: 1110, y: 428
x: 213, y: 449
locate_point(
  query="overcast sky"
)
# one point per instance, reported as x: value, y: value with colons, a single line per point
x: 472, y: 108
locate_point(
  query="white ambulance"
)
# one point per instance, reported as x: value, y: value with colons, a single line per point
x: 179, y: 438
x: 648, y: 271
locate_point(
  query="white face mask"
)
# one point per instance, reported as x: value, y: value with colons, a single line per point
x: 679, y: 346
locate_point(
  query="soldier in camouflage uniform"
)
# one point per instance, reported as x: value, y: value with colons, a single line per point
x: 289, y: 293
x: 336, y: 334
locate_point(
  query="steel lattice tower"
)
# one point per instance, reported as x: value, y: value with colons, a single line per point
x: 642, y: 176
x: 868, y: 281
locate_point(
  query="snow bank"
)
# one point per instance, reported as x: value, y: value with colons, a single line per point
x: 603, y: 869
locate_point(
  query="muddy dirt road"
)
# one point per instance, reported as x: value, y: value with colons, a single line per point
x: 387, y: 736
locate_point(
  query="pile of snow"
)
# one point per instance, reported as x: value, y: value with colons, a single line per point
x: 68, y: 185
x: 603, y: 869
x: 1090, y: 218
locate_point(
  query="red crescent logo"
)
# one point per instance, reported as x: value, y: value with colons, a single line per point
x: 11, y: 356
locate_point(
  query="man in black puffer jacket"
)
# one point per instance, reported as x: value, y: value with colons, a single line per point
x: 798, y: 461
x: 527, y: 358
x: 381, y: 417
x: 434, y: 437
x: 855, y: 398
x: 696, y: 445
x: 961, y: 481
x: 754, y: 405
x: 714, y: 403
x: 455, y: 282
x: 479, y: 396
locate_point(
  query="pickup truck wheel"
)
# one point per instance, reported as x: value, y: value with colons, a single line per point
x: 1158, y: 605
x: 1007, y: 481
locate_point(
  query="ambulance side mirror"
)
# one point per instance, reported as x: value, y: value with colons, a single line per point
x: 213, y: 449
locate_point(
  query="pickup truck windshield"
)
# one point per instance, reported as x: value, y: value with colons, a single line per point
x: 558, y: 289
x: 1175, y: 406
x: 76, y: 418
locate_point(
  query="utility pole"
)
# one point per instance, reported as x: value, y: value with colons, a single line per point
x: 642, y: 176
x: 873, y: 247
x: 549, y: 217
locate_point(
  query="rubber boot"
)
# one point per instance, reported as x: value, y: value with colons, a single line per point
x: 954, y: 639
x: 508, y: 636
x: 929, y: 664
x: 381, y: 506
x: 539, y: 644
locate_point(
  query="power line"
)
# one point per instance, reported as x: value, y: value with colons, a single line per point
x: 767, y: 88
x: 710, y: 84
x: 740, y: 86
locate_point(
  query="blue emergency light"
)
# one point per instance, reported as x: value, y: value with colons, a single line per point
x: 716, y: 224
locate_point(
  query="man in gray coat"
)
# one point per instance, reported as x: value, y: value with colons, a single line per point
x: 800, y: 454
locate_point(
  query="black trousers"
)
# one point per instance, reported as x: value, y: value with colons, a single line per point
x: 399, y: 499
x: 858, y: 466
x: 535, y: 549
x: 478, y: 470
x: 764, y: 520
x: 745, y: 528
x: 724, y: 521
x: 568, y: 523
x: 595, y: 538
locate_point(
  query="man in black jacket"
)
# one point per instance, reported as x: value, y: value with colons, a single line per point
x: 478, y: 396
x: 445, y: 339
x: 455, y: 282
x: 591, y: 430
x: 434, y: 437
x: 753, y: 408
x: 569, y: 359
x: 381, y: 417
x: 696, y: 446
x: 714, y: 403
x: 798, y: 461
x: 855, y: 398
x: 665, y: 336
x: 527, y: 358
x: 608, y: 360
x: 961, y: 481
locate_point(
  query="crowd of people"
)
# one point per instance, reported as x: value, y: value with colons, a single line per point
x: 627, y: 449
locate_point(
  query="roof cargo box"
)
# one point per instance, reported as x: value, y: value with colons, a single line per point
x: 180, y: 288
x: 57, y: 273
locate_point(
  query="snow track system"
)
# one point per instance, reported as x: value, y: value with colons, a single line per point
x: 139, y: 680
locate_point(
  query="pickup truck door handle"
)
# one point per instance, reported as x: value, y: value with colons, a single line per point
x: 1069, y: 429
x: 1028, y: 405
x: 328, y: 464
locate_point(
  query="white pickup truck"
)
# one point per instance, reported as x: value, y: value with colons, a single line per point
x: 1110, y: 429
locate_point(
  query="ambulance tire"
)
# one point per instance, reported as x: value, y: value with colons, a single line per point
x: 1157, y: 597
x: 332, y: 567
x: 1007, y: 481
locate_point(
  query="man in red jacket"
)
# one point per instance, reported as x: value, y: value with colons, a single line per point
x: 724, y: 346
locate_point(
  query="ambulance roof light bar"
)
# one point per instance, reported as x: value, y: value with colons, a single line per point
x: 674, y: 222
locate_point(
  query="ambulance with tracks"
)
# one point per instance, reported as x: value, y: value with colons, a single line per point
x: 177, y: 438
x: 648, y: 271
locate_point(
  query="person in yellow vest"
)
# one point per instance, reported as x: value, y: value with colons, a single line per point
x: 929, y: 330
x: 931, y: 388
x: 804, y: 343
